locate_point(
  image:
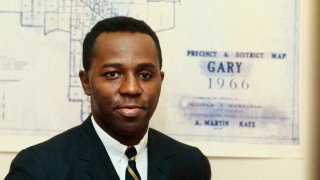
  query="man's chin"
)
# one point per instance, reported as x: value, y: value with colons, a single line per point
x: 133, y: 129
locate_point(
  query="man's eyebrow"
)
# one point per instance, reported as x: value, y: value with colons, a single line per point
x: 115, y: 65
x: 118, y: 65
x: 147, y: 65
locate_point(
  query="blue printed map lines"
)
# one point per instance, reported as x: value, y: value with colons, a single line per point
x: 76, y: 17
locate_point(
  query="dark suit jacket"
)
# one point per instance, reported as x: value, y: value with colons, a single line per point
x: 79, y: 154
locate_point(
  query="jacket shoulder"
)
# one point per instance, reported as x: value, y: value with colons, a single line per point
x: 57, y: 143
x: 182, y: 157
x: 50, y: 157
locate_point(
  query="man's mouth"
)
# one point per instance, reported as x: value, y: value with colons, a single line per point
x: 130, y: 111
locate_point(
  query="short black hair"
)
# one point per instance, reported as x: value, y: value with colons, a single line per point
x: 116, y: 24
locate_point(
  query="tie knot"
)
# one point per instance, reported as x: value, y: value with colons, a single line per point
x: 131, y: 152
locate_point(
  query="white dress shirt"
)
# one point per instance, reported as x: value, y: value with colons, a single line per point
x: 116, y: 152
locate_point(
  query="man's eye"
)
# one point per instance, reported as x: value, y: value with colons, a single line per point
x: 112, y: 75
x: 145, y: 75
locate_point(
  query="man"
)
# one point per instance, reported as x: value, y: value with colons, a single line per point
x: 122, y: 74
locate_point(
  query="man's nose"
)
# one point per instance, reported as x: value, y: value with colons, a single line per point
x: 130, y: 86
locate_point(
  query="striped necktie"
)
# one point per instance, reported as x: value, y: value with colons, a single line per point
x: 131, y: 171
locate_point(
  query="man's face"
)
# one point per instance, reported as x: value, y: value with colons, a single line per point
x: 124, y: 82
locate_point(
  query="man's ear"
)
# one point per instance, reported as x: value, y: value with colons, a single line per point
x: 162, y: 75
x: 84, y: 78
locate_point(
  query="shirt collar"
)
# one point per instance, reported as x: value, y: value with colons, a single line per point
x: 115, y: 149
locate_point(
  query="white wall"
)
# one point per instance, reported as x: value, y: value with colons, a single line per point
x: 306, y: 168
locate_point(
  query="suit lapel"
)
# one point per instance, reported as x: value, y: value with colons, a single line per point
x: 158, y: 165
x: 95, y: 159
x: 96, y: 162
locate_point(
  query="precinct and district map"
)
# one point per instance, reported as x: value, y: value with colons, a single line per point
x: 26, y: 60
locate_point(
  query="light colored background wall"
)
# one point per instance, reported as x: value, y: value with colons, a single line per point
x: 306, y: 168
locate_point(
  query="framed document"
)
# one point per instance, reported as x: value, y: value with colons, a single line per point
x: 231, y: 71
